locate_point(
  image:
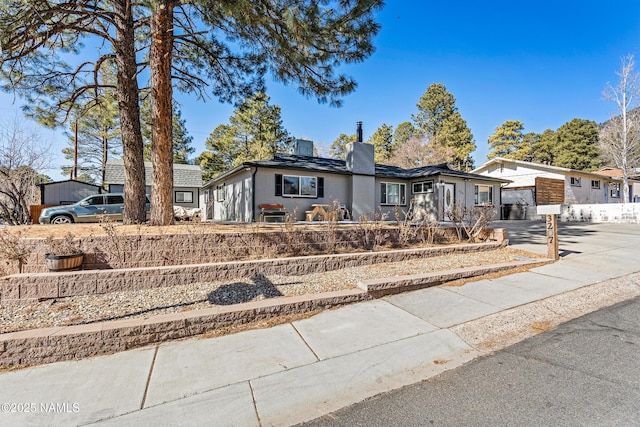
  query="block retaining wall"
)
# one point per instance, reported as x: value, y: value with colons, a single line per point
x: 29, y: 287
x: 151, y: 250
x: 39, y: 346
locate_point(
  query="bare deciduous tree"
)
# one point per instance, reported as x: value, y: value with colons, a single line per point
x: 620, y: 137
x: 418, y: 152
x: 22, y: 154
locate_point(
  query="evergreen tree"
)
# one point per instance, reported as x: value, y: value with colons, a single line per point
x: 455, y: 137
x: 220, y: 154
x: 507, y: 140
x: 545, y: 150
x: 403, y: 133
x: 578, y: 145
x: 182, y: 148
x: 37, y: 39
x: 98, y: 139
x: 435, y: 106
x: 439, y: 120
x: 382, y: 141
x: 226, y: 47
x: 254, y: 132
x: 338, y: 148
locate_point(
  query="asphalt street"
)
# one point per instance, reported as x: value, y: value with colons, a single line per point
x: 586, y: 372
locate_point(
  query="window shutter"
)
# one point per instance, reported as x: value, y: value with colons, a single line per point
x: 278, y: 185
x: 383, y: 193
x: 402, y: 194
x: 320, y: 186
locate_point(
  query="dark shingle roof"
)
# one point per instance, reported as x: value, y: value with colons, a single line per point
x: 183, y: 175
x: 320, y: 164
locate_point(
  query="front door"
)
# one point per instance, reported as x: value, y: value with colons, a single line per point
x: 448, y: 200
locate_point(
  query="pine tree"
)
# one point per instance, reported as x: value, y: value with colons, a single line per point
x: 403, y: 133
x: 507, y: 140
x: 338, y: 148
x: 439, y: 120
x: 382, y: 141
x: 578, y: 145
x: 254, y: 132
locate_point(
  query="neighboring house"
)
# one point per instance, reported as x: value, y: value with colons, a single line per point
x: 535, y: 184
x: 298, y: 182
x: 634, y: 181
x: 187, y: 181
x: 66, y: 192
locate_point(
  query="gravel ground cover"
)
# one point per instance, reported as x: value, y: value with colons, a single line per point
x: 150, y: 302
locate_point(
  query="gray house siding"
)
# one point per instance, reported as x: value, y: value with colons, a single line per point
x: 233, y: 198
x: 465, y: 191
x: 336, y: 188
x: 425, y: 200
x: 388, y: 208
x: 356, y: 183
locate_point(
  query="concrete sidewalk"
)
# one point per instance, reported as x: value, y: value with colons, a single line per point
x: 301, y: 370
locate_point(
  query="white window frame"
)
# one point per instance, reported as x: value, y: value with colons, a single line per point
x: 575, y: 181
x: 301, y: 186
x: 183, y: 193
x: 402, y: 194
x: 477, y: 191
x: 220, y: 193
x: 422, y: 185
x: 595, y: 184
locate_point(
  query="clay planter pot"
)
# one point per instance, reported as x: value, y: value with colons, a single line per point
x: 64, y: 262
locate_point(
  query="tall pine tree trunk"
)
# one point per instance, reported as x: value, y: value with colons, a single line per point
x: 161, y: 112
x: 127, y: 92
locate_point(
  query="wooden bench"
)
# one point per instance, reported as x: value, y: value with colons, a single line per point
x: 272, y: 210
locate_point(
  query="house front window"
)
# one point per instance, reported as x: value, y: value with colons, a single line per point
x: 575, y: 181
x: 304, y: 186
x: 184, y: 197
x: 219, y: 193
x: 423, y: 187
x: 393, y: 193
x: 483, y: 195
x: 595, y: 184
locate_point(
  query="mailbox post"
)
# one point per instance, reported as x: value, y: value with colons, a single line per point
x: 551, y: 212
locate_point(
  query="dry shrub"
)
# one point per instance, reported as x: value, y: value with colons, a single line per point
x: 291, y: 235
x: 68, y: 245
x: 13, y: 252
x: 471, y: 223
x: 370, y: 231
x: 114, y: 248
x: 330, y: 226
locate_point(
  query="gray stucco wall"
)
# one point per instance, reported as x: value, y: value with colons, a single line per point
x: 364, y: 200
x: 465, y: 191
x: 236, y: 206
x: 336, y: 188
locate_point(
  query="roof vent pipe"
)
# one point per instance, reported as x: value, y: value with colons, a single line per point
x: 359, y: 132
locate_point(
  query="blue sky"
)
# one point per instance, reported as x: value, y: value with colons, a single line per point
x: 543, y: 62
